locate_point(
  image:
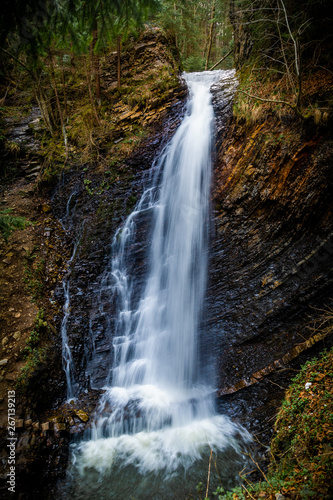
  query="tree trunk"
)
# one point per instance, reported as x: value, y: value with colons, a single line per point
x: 210, y: 38
x: 61, y: 116
x: 88, y: 76
x: 221, y: 60
x: 64, y: 88
x: 44, y: 109
x: 95, y: 64
x: 118, y: 60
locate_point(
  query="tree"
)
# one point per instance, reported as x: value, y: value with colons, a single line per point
x: 273, y: 35
x: 210, y: 38
x: 201, y: 29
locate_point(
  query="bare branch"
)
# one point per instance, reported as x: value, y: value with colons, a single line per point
x: 210, y: 461
x: 247, y: 491
x: 267, y: 100
x: 293, y: 39
x: 221, y: 60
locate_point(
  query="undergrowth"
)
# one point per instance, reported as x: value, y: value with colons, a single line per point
x: 35, y: 353
x: 301, y: 449
x: 261, y: 95
x: 34, y: 268
x: 8, y: 223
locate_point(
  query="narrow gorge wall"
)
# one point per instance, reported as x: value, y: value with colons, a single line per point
x: 271, y: 270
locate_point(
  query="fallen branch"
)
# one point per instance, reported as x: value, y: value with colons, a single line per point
x: 221, y: 60
x: 247, y: 491
x: 210, y: 461
x: 18, y: 61
x: 268, y: 100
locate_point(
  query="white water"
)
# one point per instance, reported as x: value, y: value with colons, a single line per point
x: 67, y: 358
x: 156, y: 414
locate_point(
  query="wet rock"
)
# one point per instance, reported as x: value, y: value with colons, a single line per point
x: 82, y: 415
x: 45, y: 208
x: 4, y: 362
x: 71, y: 421
x: 59, y: 427
x: 58, y: 419
x: 17, y: 335
x: 47, y: 426
x: 36, y: 426
x: 23, y: 441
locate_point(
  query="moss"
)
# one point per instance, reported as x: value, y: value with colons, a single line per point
x: 35, y: 354
x: 302, y: 456
x: 34, y: 268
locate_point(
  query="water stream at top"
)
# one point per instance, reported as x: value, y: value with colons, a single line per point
x: 156, y: 421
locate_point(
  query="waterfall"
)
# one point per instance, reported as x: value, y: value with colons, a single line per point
x: 67, y: 358
x: 156, y: 417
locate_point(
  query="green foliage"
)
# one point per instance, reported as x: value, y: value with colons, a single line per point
x: 35, y: 335
x: 35, y: 360
x: 301, y: 447
x: 8, y: 223
x: 35, y: 355
x: 190, y: 22
x: 87, y: 183
x: 33, y: 274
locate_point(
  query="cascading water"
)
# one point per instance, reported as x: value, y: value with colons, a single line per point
x: 156, y: 419
x: 67, y: 358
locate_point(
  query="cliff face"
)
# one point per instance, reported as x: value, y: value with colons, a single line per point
x: 271, y: 261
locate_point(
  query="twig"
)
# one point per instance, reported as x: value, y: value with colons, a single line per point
x: 267, y: 100
x: 262, y: 472
x: 322, y: 67
x: 19, y: 62
x: 271, y: 381
x: 210, y: 461
x: 217, y: 472
x: 247, y: 491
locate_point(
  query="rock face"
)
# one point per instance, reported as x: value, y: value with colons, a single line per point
x: 271, y: 267
x: 91, y: 213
